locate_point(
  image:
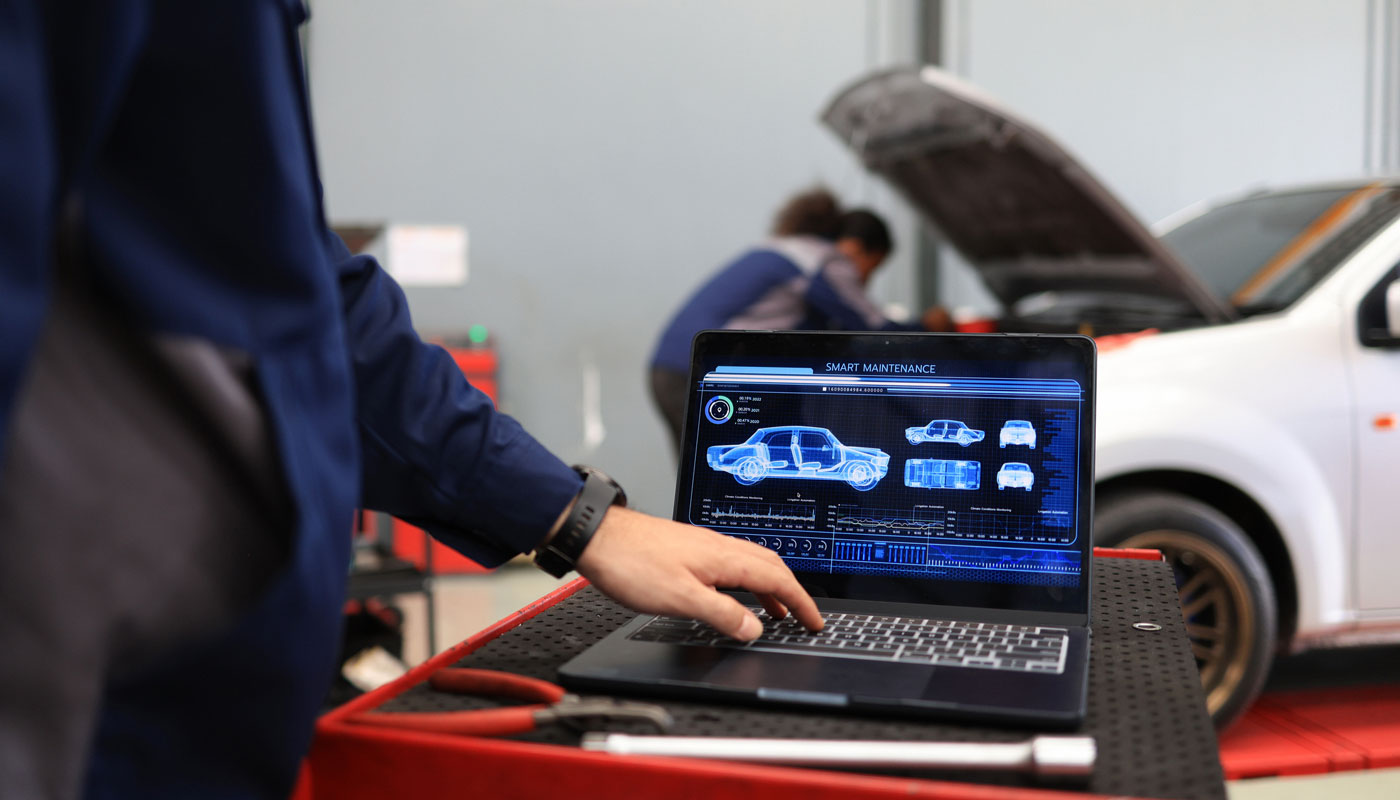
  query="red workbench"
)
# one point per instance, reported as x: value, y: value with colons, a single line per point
x: 1145, y: 709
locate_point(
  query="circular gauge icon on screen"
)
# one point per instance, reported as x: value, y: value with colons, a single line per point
x: 719, y: 409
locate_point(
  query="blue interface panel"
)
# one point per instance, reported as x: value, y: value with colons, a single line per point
x: 967, y: 479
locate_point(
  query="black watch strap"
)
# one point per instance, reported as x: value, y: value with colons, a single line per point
x: 599, y: 493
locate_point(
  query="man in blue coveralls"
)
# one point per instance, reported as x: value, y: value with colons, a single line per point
x: 809, y: 275
x: 198, y: 383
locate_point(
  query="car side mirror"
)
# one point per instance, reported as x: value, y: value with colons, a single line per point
x: 1392, y: 308
x: 1378, y: 317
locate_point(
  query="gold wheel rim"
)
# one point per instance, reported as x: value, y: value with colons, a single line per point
x: 1215, y: 605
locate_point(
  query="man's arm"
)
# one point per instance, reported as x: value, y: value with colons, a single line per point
x: 435, y: 450
x: 438, y: 454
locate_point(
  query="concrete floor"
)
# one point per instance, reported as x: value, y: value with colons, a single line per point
x: 468, y: 603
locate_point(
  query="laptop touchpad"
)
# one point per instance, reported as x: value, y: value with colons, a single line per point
x: 842, y: 676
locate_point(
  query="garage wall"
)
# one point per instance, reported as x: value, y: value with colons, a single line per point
x: 605, y: 157
x: 1173, y: 102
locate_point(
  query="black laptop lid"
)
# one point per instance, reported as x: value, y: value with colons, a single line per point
x: 946, y: 469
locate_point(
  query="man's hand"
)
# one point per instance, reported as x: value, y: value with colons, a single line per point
x: 657, y: 566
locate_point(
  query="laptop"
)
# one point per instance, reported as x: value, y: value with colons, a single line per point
x: 933, y: 492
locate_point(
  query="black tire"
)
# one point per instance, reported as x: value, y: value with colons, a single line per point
x: 1227, y: 596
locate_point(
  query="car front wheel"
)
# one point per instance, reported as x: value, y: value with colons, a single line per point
x: 1227, y: 597
x: 861, y: 476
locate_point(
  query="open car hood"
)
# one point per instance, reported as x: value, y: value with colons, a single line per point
x: 1018, y: 207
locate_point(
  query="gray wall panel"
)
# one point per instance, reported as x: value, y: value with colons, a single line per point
x: 605, y: 157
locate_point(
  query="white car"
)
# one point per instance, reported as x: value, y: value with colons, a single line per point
x: 944, y: 430
x: 1255, y: 438
x: 1017, y: 431
x: 1016, y: 475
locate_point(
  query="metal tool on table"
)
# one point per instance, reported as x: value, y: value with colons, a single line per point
x: 552, y: 705
x: 1042, y: 756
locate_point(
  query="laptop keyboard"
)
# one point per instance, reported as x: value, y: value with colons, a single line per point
x: 981, y: 645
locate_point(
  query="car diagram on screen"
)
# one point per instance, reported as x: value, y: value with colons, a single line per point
x: 1015, y: 475
x: 929, y: 473
x: 799, y: 451
x: 1018, y: 431
x: 944, y: 430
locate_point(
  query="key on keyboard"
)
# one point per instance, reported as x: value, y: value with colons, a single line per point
x: 981, y: 645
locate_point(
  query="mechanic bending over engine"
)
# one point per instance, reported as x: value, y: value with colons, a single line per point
x: 810, y: 275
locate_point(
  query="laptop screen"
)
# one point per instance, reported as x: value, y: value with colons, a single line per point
x: 931, y: 468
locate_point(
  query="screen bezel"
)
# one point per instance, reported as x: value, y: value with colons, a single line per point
x: 1078, y: 353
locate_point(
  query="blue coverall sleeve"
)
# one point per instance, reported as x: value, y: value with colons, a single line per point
x: 435, y: 450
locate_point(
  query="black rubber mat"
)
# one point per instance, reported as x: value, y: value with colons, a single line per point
x: 1146, y: 708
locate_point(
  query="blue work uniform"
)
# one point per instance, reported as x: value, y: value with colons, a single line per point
x: 179, y: 135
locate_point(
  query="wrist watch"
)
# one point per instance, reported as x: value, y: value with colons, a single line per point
x: 599, y: 493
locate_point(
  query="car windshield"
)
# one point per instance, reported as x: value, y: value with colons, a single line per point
x: 1264, y: 252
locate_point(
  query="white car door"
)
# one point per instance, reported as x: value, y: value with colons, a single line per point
x: 1374, y: 374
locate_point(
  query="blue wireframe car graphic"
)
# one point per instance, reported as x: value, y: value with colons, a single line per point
x: 1015, y: 475
x: 798, y: 451
x: 929, y: 473
x: 1018, y: 431
x: 944, y: 430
